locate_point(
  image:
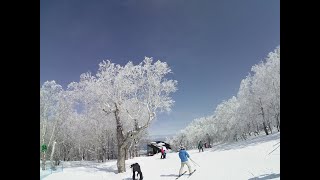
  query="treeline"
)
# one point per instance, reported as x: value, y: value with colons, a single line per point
x: 255, y: 109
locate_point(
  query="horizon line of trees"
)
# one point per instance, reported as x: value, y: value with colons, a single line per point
x: 106, y: 115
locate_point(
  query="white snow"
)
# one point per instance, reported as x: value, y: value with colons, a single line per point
x: 244, y: 160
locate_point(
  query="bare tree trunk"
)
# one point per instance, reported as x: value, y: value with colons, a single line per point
x: 126, y: 154
x: 121, y: 159
x: 265, y: 128
x: 269, y: 122
x: 43, y: 153
x: 278, y: 122
x: 264, y: 124
x: 130, y: 149
x: 209, y: 139
x: 51, y: 156
x: 135, y: 141
x: 121, y: 146
x: 257, y: 132
x: 108, y: 149
x: 83, y: 155
x: 124, y: 140
x: 113, y: 155
x: 269, y: 125
x: 136, y: 150
x: 53, y: 133
x: 249, y: 128
x: 80, y: 154
x: 104, y: 154
x: 43, y: 160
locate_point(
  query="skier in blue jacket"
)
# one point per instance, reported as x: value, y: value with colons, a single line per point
x: 183, y: 155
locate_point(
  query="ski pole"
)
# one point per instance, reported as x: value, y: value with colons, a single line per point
x: 194, y: 162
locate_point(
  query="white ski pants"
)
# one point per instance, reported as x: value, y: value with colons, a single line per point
x: 182, y: 165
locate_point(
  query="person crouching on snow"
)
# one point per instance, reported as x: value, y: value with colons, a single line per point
x: 183, y: 155
x: 136, y: 168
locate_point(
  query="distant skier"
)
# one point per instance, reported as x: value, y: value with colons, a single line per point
x: 183, y: 155
x: 164, y: 151
x: 136, y: 168
x: 200, y: 146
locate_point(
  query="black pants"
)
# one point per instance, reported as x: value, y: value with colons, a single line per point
x: 134, y: 175
x: 136, y: 168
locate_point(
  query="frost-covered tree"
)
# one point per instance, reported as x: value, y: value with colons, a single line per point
x: 54, y: 109
x: 95, y: 125
x: 104, y: 116
x: 266, y: 89
x: 248, y: 113
x: 256, y: 108
x: 131, y: 95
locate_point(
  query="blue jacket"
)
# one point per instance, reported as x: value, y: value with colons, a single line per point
x: 183, y: 155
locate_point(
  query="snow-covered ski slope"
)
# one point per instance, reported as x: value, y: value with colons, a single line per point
x: 243, y: 160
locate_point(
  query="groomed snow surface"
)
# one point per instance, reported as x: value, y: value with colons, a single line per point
x: 244, y: 160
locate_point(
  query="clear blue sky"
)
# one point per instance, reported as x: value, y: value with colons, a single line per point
x: 209, y: 44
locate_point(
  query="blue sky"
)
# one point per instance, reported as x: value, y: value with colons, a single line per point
x: 210, y: 45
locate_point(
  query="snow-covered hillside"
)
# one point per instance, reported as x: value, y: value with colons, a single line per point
x: 244, y: 160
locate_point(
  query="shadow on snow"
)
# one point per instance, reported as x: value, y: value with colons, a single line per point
x: 242, y: 144
x: 265, y: 176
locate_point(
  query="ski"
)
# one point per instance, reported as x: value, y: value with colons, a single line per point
x: 181, y: 175
x: 192, y: 173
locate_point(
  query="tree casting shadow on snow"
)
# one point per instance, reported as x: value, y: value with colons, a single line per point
x: 93, y: 165
x: 242, y: 144
x: 130, y: 178
x: 106, y: 169
x: 169, y: 175
x: 265, y: 176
